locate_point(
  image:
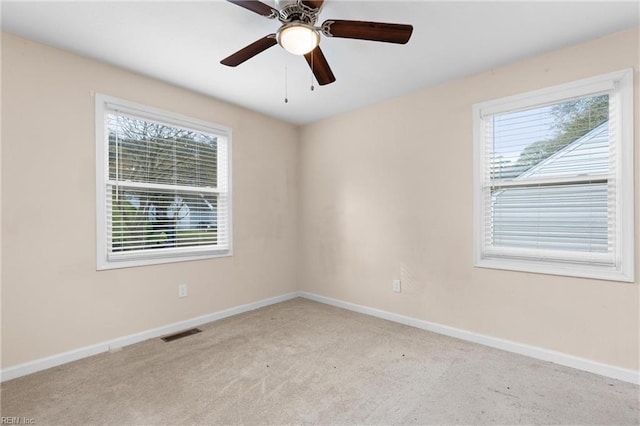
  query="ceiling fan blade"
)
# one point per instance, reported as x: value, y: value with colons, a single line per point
x: 257, y: 7
x: 250, y: 51
x: 320, y: 66
x: 313, y: 4
x: 375, y: 31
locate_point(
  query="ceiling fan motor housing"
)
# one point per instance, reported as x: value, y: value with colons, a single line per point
x: 294, y: 10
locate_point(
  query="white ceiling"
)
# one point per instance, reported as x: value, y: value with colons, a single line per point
x: 183, y: 42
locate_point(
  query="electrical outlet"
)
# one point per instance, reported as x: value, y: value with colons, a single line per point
x: 396, y: 286
x: 182, y: 290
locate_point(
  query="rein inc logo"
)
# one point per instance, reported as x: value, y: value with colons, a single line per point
x: 5, y: 420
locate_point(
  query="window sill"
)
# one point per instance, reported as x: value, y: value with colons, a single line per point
x: 556, y: 268
x: 104, y: 264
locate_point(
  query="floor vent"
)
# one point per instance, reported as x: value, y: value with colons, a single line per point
x: 181, y: 334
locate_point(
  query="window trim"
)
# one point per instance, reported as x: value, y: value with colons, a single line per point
x: 104, y: 103
x: 620, y: 82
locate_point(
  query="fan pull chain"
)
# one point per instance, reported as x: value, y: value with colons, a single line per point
x: 312, y: 55
x: 286, y: 89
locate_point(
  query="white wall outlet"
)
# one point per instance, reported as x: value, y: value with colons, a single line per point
x: 182, y: 290
x: 396, y: 286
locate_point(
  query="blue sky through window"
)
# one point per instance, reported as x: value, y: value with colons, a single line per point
x: 513, y: 132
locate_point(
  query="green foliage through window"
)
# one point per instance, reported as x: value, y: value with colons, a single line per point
x: 160, y: 157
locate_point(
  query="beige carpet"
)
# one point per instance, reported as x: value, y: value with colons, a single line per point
x: 303, y: 362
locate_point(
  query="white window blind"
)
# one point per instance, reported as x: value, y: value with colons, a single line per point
x: 551, y: 183
x: 165, y: 186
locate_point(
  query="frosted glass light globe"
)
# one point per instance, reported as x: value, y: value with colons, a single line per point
x: 298, y: 38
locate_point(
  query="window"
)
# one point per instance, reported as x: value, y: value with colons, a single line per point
x: 163, y: 190
x: 553, y: 178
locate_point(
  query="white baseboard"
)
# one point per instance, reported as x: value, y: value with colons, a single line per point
x: 560, y: 358
x: 87, y: 351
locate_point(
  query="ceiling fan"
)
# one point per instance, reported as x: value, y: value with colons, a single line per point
x: 299, y: 35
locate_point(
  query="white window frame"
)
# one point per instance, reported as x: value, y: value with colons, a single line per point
x: 620, y: 84
x: 103, y: 105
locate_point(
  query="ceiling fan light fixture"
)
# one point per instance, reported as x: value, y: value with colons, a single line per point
x: 298, y: 38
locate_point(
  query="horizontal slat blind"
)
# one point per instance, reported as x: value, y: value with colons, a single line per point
x: 167, y: 190
x: 548, y: 187
x: 564, y: 217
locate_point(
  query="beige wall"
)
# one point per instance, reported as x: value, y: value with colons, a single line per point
x: 386, y: 192
x: 380, y: 193
x: 53, y: 300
